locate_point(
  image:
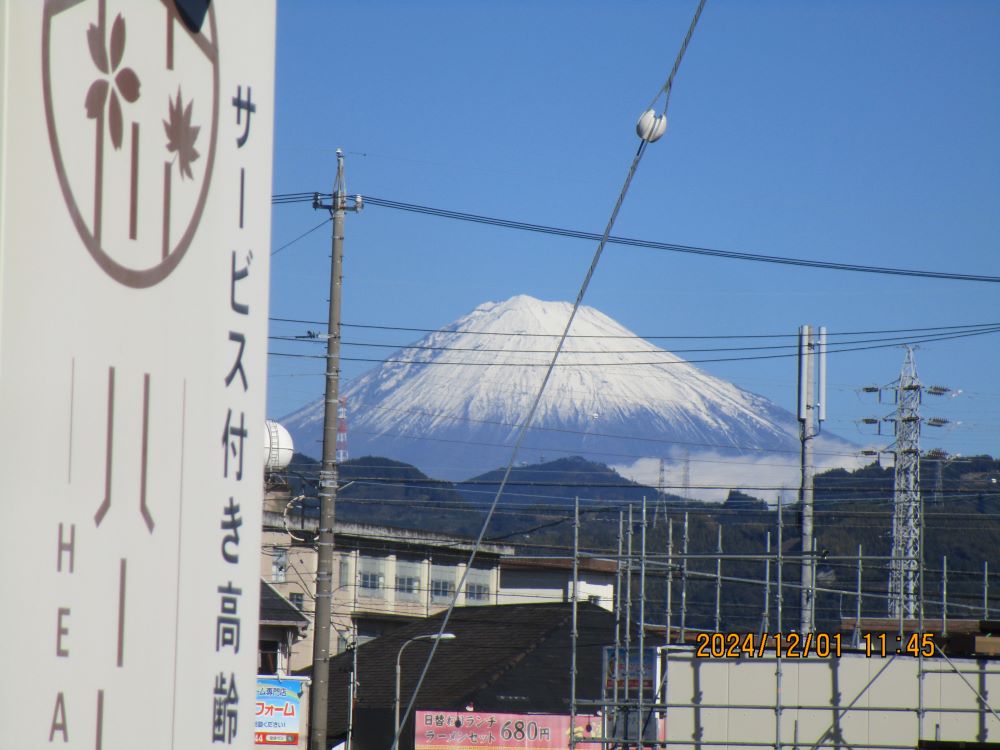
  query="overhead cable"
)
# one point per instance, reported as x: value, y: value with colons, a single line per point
x: 372, y: 200
x: 310, y: 339
x: 645, y: 139
x: 831, y: 349
x: 304, y: 234
x: 507, y: 334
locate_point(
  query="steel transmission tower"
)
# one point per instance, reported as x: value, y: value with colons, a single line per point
x: 906, y: 507
x: 661, y: 487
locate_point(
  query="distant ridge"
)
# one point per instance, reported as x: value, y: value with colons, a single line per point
x: 557, y: 483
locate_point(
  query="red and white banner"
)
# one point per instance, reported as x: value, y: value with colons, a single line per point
x: 476, y: 729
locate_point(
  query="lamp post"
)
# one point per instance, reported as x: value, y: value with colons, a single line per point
x: 352, y: 691
x: 399, y: 671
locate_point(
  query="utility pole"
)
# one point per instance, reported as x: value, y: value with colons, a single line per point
x: 328, y: 471
x: 810, y: 415
x: 686, y: 475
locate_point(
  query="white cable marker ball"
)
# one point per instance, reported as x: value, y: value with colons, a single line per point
x: 651, y: 126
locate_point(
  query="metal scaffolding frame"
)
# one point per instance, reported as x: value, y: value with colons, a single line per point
x: 625, y: 710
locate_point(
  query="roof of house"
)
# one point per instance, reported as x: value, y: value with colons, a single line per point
x: 389, y: 537
x: 585, y: 564
x: 276, y: 610
x: 509, y: 658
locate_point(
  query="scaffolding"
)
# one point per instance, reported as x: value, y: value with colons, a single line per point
x: 659, y: 692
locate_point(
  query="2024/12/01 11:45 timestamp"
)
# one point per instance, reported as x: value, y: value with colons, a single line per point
x: 885, y: 644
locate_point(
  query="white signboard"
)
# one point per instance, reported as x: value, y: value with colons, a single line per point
x: 135, y: 174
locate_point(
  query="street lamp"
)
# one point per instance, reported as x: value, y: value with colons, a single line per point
x: 399, y: 671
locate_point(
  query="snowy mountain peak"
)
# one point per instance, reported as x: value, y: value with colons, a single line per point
x: 451, y: 402
x: 529, y: 316
x: 518, y: 315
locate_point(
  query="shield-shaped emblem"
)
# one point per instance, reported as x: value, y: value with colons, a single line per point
x: 132, y: 130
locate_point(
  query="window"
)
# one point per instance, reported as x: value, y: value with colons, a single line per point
x: 371, y: 576
x: 368, y: 630
x: 477, y: 592
x: 279, y: 564
x: 297, y: 599
x: 477, y: 585
x: 267, y: 657
x: 345, y: 571
x: 442, y: 583
x: 442, y: 589
x: 407, y: 584
x: 408, y: 580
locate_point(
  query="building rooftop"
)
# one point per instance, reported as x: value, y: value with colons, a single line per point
x: 508, y: 658
x: 588, y: 564
x: 276, y: 610
x: 390, y: 534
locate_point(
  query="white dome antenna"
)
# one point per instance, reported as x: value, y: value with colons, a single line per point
x: 278, y: 447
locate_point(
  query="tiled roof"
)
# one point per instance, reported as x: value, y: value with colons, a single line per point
x: 509, y: 658
x: 592, y: 564
x: 391, y: 536
x: 276, y: 610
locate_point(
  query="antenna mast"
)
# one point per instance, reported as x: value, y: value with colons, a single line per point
x: 811, y: 412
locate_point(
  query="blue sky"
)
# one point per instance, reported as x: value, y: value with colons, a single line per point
x: 858, y: 132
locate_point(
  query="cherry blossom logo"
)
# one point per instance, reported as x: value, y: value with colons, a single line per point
x: 132, y: 105
x: 106, y: 89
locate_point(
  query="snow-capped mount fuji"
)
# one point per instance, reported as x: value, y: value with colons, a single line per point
x: 451, y: 403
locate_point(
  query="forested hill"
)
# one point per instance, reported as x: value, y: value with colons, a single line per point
x: 852, y: 510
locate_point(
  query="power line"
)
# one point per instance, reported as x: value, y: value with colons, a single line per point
x: 681, y: 362
x: 645, y: 138
x: 604, y: 454
x: 506, y: 334
x: 590, y: 433
x: 316, y: 339
x: 855, y: 484
x: 664, y: 246
x: 284, y: 198
x: 467, y: 485
x: 304, y: 234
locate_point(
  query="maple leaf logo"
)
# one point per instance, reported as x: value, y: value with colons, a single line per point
x: 181, y: 135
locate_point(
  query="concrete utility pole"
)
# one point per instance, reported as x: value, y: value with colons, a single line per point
x: 328, y: 472
x: 810, y: 415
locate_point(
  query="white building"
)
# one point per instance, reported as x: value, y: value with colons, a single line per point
x: 531, y: 580
x: 383, y: 577
x: 849, y: 702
